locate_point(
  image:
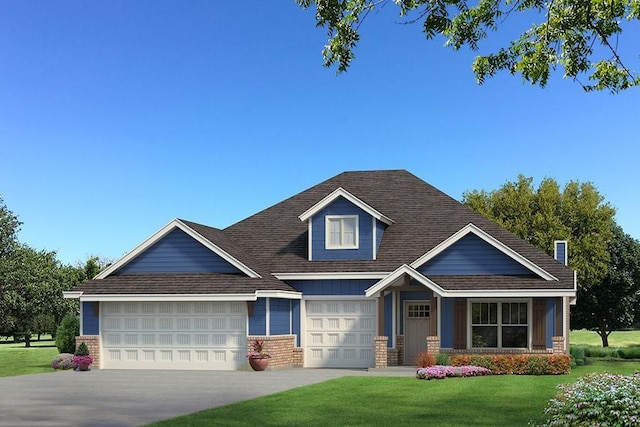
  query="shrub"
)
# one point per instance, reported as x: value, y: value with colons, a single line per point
x: 440, y: 372
x: 442, y: 359
x: 578, y: 354
x: 82, y: 349
x: 522, y: 364
x: 66, y: 333
x: 425, y: 359
x: 63, y: 361
x: 597, y: 399
x: 629, y: 352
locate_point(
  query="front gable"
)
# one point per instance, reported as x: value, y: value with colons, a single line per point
x: 178, y: 252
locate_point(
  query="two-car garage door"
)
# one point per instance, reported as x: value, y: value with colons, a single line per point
x: 174, y: 335
x: 339, y: 334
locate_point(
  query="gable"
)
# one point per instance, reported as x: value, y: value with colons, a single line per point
x: 177, y: 252
x: 471, y: 255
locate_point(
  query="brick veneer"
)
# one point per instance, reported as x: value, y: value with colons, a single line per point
x: 93, y: 343
x: 558, y: 345
x: 283, y: 350
x: 381, y: 352
x: 433, y: 344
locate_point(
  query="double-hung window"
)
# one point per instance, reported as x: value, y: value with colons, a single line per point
x: 499, y: 324
x: 342, y: 232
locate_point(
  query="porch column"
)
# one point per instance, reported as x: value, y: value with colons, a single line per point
x: 381, y: 314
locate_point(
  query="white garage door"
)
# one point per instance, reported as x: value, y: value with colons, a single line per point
x: 340, y: 334
x: 174, y: 335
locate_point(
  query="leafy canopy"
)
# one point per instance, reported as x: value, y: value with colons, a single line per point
x: 580, y: 36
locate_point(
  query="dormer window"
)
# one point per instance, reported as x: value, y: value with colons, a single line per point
x: 342, y: 232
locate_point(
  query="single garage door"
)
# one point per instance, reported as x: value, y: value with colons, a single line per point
x: 174, y: 335
x: 340, y: 334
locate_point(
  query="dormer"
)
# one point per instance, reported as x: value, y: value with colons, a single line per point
x: 343, y: 227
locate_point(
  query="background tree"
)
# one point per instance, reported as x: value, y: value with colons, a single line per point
x: 9, y: 227
x: 581, y: 36
x: 611, y: 304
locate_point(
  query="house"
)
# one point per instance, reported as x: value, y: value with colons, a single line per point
x: 365, y: 269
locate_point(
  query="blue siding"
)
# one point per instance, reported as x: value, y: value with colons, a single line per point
x: 411, y: 296
x: 258, y: 322
x: 561, y: 252
x: 388, y: 319
x: 177, y: 252
x: 380, y: 227
x: 90, y: 318
x: 342, y: 206
x: 446, y: 327
x: 295, y: 320
x: 472, y: 255
x: 279, y: 316
x: 550, y: 321
x: 332, y: 287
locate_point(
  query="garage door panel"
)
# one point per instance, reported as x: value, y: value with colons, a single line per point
x: 178, y: 335
x: 339, y: 334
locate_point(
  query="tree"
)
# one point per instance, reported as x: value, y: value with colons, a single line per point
x: 581, y: 36
x: 9, y: 227
x: 577, y: 214
x: 611, y: 304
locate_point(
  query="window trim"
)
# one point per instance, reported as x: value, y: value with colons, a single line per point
x: 500, y: 324
x: 327, y: 223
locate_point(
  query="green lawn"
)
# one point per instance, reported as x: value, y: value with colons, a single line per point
x: 616, y: 339
x: 15, y: 359
x: 508, y: 400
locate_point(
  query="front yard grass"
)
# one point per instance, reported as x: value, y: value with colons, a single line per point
x: 616, y: 339
x: 15, y: 359
x: 507, y: 400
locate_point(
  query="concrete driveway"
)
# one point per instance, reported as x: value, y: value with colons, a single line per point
x: 132, y: 398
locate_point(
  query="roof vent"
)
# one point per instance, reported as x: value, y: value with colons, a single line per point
x: 560, y: 253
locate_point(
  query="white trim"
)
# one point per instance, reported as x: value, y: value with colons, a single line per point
x: 82, y: 319
x: 279, y: 294
x: 341, y: 219
x: 290, y: 317
x: 565, y: 261
x: 350, y: 197
x: 71, y: 294
x: 471, y: 228
x: 176, y: 223
x: 394, y: 323
x: 169, y: 297
x: 374, y: 291
x: 310, y: 242
x: 267, y: 316
x: 438, y: 302
x: 373, y: 232
x: 335, y: 298
x: 522, y: 293
x: 329, y: 276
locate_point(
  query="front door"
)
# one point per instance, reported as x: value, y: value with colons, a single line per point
x: 416, y: 329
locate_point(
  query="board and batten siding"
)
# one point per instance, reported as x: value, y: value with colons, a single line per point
x: 177, y: 252
x: 471, y: 255
x: 342, y: 206
x: 279, y: 316
x: 332, y: 286
x: 258, y: 319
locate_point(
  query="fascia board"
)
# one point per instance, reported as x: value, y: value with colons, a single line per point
x: 71, y: 294
x: 176, y: 223
x: 397, y: 274
x: 350, y: 197
x: 522, y: 293
x: 471, y: 228
x: 279, y: 294
x: 330, y: 276
x: 170, y: 297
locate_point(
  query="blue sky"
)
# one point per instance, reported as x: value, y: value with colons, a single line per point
x: 118, y: 116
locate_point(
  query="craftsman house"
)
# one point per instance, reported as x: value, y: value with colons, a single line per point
x: 366, y: 269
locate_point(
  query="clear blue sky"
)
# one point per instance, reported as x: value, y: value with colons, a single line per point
x: 118, y: 116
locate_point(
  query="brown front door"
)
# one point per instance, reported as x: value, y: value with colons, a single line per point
x: 416, y: 329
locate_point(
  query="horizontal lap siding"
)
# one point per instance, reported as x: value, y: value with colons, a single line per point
x: 177, y: 252
x: 472, y: 255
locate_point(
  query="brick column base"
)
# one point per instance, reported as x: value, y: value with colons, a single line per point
x: 381, y: 352
x: 400, y: 347
x: 93, y: 343
x: 558, y: 345
x: 433, y: 344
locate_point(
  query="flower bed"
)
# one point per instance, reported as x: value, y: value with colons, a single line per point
x: 63, y: 361
x: 440, y: 372
x: 523, y: 364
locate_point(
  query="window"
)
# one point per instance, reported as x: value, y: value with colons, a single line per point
x: 499, y: 324
x: 417, y: 311
x: 342, y: 232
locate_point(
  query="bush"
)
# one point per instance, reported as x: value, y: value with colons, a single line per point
x: 425, y: 359
x: 63, y: 361
x: 577, y: 353
x: 82, y: 349
x: 442, y: 359
x: 629, y: 352
x: 67, y: 332
x: 522, y: 364
x: 597, y: 399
